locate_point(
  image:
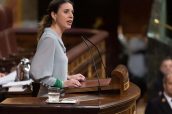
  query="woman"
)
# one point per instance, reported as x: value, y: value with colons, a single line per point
x: 50, y: 63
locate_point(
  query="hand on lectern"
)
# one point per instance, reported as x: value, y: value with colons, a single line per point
x: 72, y: 83
x: 78, y: 77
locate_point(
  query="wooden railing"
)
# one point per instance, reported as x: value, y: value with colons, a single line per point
x: 80, y: 59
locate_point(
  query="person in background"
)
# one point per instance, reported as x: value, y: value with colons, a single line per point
x: 166, y: 65
x: 124, y: 45
x: 165, y: 69
x: 49, y: 65
x: 2, y: 74
x: 163, y: 103
x: 137, y: 62
x: 134, y: 56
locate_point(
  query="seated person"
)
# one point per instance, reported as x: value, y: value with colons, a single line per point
x: 163, y: 103
x: 165, y: 69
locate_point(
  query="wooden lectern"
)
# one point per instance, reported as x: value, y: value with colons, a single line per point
x: 89, y: 102
x: 119, y: 81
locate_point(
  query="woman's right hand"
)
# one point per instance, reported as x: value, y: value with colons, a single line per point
x: 72, y: 83
x: 78, y: 77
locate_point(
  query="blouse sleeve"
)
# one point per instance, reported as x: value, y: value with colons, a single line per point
x: 43, y: 61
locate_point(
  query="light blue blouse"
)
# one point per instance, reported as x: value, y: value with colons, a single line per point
x: 50, y: 61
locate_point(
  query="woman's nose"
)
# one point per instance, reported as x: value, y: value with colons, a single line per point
x: 71, y: 15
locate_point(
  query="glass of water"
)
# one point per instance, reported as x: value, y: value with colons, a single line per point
x: 53, y: 94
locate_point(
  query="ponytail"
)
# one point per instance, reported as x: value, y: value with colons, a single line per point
x: 45, y: 22
x: 47, y: 19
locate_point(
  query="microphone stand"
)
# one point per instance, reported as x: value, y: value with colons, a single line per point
x: 94, y: 64
x: 97, y: 51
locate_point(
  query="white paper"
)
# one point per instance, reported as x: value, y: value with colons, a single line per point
x: 68, y: 100
x: 18, y: 83
x: 16, y: 89
x: 64, y: 100
x: 8, y: 78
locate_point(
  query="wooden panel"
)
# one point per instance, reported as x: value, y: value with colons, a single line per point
x: 135, y: 15
x: 105, y: 103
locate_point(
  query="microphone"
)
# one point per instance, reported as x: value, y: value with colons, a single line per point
x: 94, y: 64
x: 84, y: 38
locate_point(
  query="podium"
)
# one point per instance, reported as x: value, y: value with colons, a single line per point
x: 108, y: 101
x: 119, y: 81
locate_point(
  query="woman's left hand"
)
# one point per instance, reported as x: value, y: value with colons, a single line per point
x: 78, y: 77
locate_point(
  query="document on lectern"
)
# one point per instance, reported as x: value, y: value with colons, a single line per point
x: 16, y: 89
x: 8, y: 78
x: 19, y: 83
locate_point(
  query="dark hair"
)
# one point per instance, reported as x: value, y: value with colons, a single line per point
x: 47, y: 19
x: 165, y: 58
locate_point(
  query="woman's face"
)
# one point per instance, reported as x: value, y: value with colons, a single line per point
x: 64, y: 16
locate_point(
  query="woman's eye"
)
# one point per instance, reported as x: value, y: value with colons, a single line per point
x: 66, y: 11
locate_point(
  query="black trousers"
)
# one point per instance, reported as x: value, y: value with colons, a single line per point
x: 140, y: 82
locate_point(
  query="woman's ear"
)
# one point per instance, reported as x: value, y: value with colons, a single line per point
x: 53, y: 15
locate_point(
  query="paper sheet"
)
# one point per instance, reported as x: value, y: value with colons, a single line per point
x: 19, y: 83
x: 8, y: 78
x: 16, y: 89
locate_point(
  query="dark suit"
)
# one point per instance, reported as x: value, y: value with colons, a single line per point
x: 158, y: 105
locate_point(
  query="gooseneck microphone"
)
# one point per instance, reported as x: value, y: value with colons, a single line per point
x: 94, y: 64
x: 84, y: 38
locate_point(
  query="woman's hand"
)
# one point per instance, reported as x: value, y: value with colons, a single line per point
x: 72, y: 83
x: 78, y: 77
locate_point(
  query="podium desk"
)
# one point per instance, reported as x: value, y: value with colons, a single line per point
x: 104, y: 103
x: 6, y: 94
